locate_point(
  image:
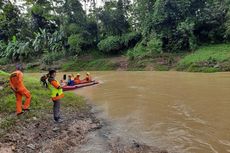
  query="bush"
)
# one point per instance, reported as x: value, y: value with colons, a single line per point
x: 75, y: 42
x: 137, y: 52
x: 110, y: 45
x: 131, y: 39
x: 73, y: 28
x: 154, y: 46
x: 140, y: 51
x: 4, y: 61
x: 50, y: 57
x: 116, y: 44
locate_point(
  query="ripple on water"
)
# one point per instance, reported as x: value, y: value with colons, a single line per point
x: 187, y: 112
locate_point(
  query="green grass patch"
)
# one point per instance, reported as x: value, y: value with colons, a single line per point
x: 41, y: 101
x: 3, y: 74
x: 138, y: 65
x: 159, y: 67
x: 206, y: 58
x: 92, y: 65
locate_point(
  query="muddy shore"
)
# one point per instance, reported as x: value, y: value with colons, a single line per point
x: 77, y: 130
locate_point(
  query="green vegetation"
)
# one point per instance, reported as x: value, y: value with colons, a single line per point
x: 41, y: 103
x: 150, y: 50
x: 91, y: 65
x: 209, y: 58
x: 117, y: 44
x: 158, y: 62
x: 62, y: 29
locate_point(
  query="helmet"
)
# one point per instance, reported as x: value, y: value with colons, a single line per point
x: 52, y: 71
x: 78, y: 74
x: 87, y: 73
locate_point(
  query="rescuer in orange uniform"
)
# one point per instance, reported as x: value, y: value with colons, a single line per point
x: 77, y: 79
x: 16, y: 83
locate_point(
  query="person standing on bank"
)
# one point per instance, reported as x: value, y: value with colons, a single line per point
x: 56, y: 95
x: 17, y: 85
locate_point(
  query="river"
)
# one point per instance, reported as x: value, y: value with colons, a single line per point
x: 177, y: 111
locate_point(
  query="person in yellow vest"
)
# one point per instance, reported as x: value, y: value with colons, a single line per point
x: 56, y: 95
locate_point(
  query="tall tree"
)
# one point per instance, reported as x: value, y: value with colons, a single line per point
x: 43, y: 16
x: 113, y: 18
x: 9, y: 21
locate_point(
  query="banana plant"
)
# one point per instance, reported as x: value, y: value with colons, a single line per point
x: 41, y: 41
x: 17, y: 50
x: 55, y: 41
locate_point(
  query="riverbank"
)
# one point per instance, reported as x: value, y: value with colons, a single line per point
x: 35, y: 131
x: 209, y: 58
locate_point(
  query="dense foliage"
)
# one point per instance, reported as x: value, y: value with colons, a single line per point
x: 116, y: 44
x: 52, y: 28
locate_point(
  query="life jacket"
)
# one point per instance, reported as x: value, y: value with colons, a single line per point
x: 77, y: 80
x: 16, y: 80
x: 55, y: 88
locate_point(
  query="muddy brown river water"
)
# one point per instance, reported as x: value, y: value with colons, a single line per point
x: 180, y: 112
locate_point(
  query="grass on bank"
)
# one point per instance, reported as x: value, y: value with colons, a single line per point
x: 88, y: 65
x: 157, y: 62
x: 209, y: 58
x: 41, y: 103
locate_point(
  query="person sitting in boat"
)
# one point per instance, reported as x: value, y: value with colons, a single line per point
x: 72, y: 76
x: 63, y: 81
x: 88, y: 77
x: 70, y: 81
x: 77, y: 79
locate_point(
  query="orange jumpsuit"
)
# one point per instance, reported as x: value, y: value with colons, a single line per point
x: 77, y: 80
x: 16, y: 83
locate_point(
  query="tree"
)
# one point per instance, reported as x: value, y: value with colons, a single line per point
x: 43, y: 16
x: 113, y: 19
x: 9, y: 21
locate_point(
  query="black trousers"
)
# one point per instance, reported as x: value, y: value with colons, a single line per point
x: 56, y: 109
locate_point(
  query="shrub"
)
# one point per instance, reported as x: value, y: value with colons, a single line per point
x: 73, y: 28
x: 140, y: 51
x: 50, y: 57
x: 116, y: 44
x: 131, y: 39
x: 110, y: 45
x: 4, y: 61
x: 137, y: 52
x: 75, y: 41
x: 154, y: 46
